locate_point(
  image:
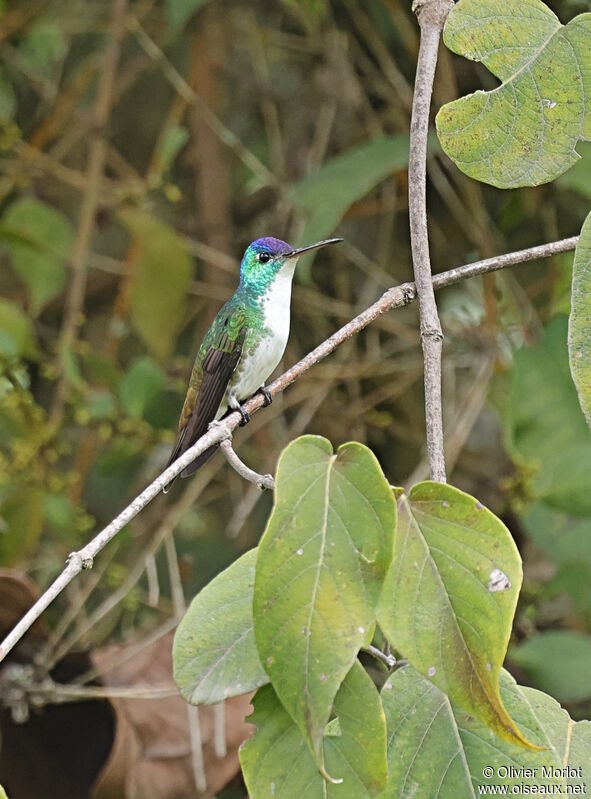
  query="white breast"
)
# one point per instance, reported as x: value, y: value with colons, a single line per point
x: 255, y: 367
x: 276, y: 307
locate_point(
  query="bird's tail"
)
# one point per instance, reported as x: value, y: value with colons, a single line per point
x: 178, y: 450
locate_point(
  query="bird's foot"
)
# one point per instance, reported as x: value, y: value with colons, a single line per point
x: 234, y: 405
x: 267, y: 396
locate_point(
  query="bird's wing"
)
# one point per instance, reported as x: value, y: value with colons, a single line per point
x: 223, y: 348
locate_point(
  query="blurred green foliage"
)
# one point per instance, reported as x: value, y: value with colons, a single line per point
x: 319, y: 93
x: 537, y: 656
x: 160, y: 282
x: 326, y: 195
x: 544, y: 425
x: 39, y: 240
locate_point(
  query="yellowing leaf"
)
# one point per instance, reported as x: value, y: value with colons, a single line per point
x: 524, y: 132
x: 449, y: 598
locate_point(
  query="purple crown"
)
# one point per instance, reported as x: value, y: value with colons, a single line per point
x: 272, y: 246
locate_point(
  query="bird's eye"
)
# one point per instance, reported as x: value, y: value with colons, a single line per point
x: 264, y: 257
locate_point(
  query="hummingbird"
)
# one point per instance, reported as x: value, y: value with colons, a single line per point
x: 244, y: 344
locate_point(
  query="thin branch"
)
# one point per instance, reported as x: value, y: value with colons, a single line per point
x: 498, y: 262
x: 388, y: 660
x: 198, y: 765
x: 261, y: 481
x: 396, y: 297
x: 431, y: 15
x: 51, y: 693
x: 90, y: 199
x: 220, y: 746
x: 193, y: 721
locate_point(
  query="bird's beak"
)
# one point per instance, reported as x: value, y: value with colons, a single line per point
x: 318, y: 244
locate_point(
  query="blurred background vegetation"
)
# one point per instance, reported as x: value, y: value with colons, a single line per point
x: 125, y: 206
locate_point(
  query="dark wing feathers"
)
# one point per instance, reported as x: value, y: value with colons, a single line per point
x: 218, y: 366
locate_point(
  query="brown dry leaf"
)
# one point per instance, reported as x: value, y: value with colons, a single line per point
x: 151, y: 754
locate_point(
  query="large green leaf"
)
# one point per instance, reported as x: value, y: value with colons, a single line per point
x: 524, y: 132
x: 214, y: 651
x: 277, y: 762
x: 537, y: 657
x: 449, y: 598
x: 436, y: 750
x: 39, y: 240
x: 579, y: 329
x: 545, y: 430
x: 320, y: 567
x: 161, y: 280
x: 325, y: 196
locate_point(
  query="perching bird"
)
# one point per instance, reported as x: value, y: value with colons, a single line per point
x: 244, y: 344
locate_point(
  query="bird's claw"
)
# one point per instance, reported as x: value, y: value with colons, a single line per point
x: 267, y: 396
x: 244, y: 416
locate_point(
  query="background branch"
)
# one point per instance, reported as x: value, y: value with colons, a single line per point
x: 396, y: 297
x: 431, y: 15
x: 90, y: 199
